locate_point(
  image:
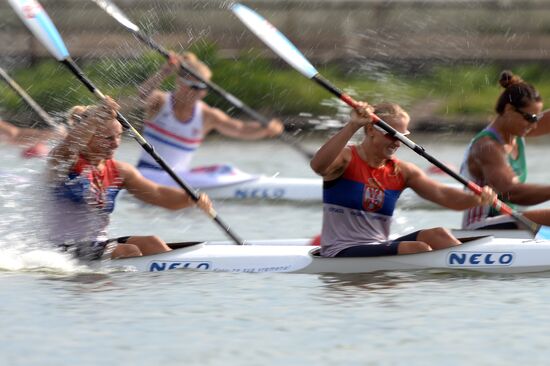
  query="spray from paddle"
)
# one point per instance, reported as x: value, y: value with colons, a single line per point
x: 40, y: 24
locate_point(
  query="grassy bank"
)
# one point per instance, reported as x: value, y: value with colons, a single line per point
x: 443, y: 93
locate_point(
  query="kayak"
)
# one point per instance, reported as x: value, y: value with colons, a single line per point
x: 481, y: 254
x: 224, y: 181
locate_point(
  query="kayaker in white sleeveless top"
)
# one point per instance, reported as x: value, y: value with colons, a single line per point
x: 177, y: 122
x: 84, y: 181
x: 496, y: 156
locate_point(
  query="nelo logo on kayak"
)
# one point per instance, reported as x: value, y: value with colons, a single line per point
x: 260, y: 193
x: 157, y: 266
x: 472, y: 259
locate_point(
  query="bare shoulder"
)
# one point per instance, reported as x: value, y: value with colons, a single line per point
x: 339, y: 166
x: 214, y: 118
x: 409, y: 170
x: 486, y: 146
x: 212, y: 114
x: 126, y: 171
x: 155, y: 101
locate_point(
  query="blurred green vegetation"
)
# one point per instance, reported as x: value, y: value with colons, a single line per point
x: 273, y: 88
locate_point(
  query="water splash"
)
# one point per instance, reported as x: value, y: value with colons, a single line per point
x: 21, y: 194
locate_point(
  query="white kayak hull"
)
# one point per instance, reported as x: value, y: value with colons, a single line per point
x: 224, y: 181
x: 485, y: 254
x: 270, y: 188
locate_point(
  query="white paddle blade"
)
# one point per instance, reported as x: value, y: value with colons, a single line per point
x: 274, y: 39
x: 39, y: 23
x: 116, y: 13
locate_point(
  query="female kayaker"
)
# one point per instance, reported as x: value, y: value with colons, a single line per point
x: 361, y: 186
x: 85, y: 180
x: 178, y: 121
x: 496, y: 156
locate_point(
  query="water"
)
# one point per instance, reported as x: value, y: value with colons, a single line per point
x: 57, y: 312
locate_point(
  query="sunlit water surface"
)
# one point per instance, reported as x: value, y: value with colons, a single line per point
x: 58, y: 312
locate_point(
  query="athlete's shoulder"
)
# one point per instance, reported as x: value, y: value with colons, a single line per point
x: 155, y: 102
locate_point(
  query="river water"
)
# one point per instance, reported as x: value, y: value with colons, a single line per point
x: 58, y: 312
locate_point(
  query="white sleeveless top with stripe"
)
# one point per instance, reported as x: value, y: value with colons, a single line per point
x: 174, y: 140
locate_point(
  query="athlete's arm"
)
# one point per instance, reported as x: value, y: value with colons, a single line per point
x: 156, y: 194
x: 216, y: 119
x: 154, y: 103
x: 333, y: 157
x: 488, y: 159
x: 442, y: 194
x: 150, y: 85
x: 25, y: 136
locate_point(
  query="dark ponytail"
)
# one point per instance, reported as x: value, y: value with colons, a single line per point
x: 516, y: 92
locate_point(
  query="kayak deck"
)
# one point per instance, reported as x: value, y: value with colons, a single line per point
x: 481, y: 254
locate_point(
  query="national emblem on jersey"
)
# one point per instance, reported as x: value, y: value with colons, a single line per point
x: 373, y: 198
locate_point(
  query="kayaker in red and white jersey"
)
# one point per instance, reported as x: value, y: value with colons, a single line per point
x: 85, y: 180
x: 496, y: 156
x: 178, y: 121
x: 361, y: 186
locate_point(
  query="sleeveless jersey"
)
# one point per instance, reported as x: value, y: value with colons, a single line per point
x: 82, y: 203
x: 476, y: 216
x: 174, y: 140
x: 358, y: 206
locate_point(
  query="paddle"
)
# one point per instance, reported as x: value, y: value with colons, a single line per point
x: 40, y: 24
x: 279, y: 44
x: 119, y: 16
x: 27, y: 98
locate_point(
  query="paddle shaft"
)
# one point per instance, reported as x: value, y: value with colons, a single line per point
x: 71, y: 65
x: 27, y: 98
x: 285, y: 137
x: 498, y: 205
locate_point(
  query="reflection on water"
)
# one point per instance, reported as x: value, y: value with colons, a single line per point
x: 351, y: 283
x: 89, y: 282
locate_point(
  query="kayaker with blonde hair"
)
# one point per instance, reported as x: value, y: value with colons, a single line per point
x: 84, y: 179
x: 362, y: 183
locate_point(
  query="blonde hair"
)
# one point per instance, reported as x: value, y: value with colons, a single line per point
x: 197, y: 65
x: 75, y: 114
x: 387, y: 109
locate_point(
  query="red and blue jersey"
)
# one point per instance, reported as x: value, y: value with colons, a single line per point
x: 83, y: 202
x: 358, y: 206
x: 85, y: 184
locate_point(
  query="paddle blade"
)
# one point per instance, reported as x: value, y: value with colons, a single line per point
x: 116, y: 13
x: 274, y: 39
x: 543, y: 233
x: 39, y: 23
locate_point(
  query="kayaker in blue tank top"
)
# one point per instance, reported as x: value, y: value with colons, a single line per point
x: 496, y: 156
